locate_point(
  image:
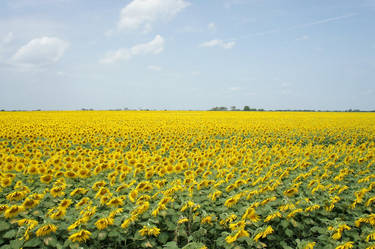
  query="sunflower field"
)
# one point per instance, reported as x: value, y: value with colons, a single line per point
x: 192, y: 180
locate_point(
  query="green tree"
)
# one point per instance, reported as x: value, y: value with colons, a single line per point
x: 246, y: 108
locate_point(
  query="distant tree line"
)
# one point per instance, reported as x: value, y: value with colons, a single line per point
x: 233, y: 108
x: 216, y: 108
x: 248, y: 109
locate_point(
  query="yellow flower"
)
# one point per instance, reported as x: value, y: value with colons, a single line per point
x: 133, y: 195
x: 5, y: 182
x: 65, y: 203
x: 78, y: 191
x: 16, y: 196
x: 29, y: 203
x: 126, y: 223
x: 150, y: 231
x: 215, y: 195
x: 3, y: 208
x: 78, y: 222
x: 232, y: 201
x: 207, y: 220
x: 336, y: 236
x: 291, y: 192
x: 371, y: 236
x: 46, y: 229
x: 59, y: 214
x: 346, y: 245
x: 250, y: 215
x: 189, y: 204
x: 154, y: 231
x: 241, y: 233
x: 80, y: 236
x: 263, y: 234
x: 46, y: 178
x: 115, y: 212
x: 115, y: 202
x: 273, y: 216
x: 310, y: 245
x: 103, y: 223
x: 294, y: 212
x: 13, y: 211
x: 57, y: 191
x: 182, y: 220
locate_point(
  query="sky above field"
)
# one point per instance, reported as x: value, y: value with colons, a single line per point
x: 187, y: 54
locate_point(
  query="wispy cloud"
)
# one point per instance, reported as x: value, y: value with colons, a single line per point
x: 156, y: 46
x: 300, y: 26
x: 327, y: 20
x: 218, y: 43
x: 154, y: 68
x: 211, y: 27
x: 303, y: 38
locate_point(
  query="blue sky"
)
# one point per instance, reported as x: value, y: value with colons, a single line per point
x: 187, y: 54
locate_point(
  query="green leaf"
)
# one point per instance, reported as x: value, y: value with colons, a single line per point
x: 285, y: 245
x: 16, y: 244
x: 102, y: 235
x: 35, y: 242
x: 10, y: 234
x: 163, y: 237
x: 50, y: 241
x: 284, y: 223
x: 171, y: 245
x: 113, y: 233
x: 4, y: 226
x: 193, y: 245
x: 289, y: 232
x: 170, y: 225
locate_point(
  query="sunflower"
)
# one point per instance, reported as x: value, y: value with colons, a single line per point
x: 13, y: 211
x: 241, y: 233
x: 46, y: 178
x: 5, y: 182
x: 127, y: 223
x: 30, y: 203
x: 250, y: 215
x: 3, y: 208
x: 16, y: 196
x: 103, y: 223
x: 80, y: 236
x: 60, y: 214
x: 78, y: 191
x: 207, y: 220
x: 46, y: 229
x: 57, y: 191
x: 115, y: 202
x: 64, y: 204
x: 133, y: 195
x: 150, y: 231
x: 182, y: 220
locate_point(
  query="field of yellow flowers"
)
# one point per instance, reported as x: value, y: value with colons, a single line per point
x: 132, y: 179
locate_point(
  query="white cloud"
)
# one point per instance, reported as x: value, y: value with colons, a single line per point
x: 286, y: 84
x: 154, y: 68
x: 8, y: 38
x: 303, y: 38
x: 230, y: 3
x: 218, y: 43
x: 211, y: 26
x: 40, y: 52
x: 142, y: 14
x: 234, y: 88
x: 155, y: 46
